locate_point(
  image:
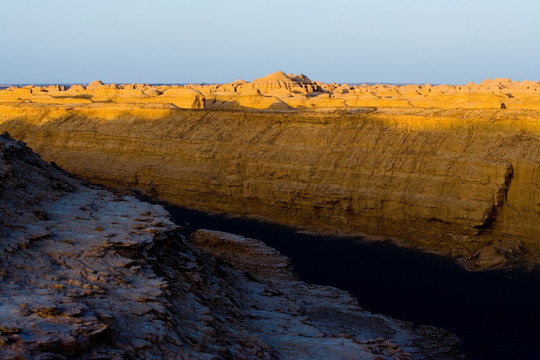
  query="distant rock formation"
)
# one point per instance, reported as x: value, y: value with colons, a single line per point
x: 279, y: 83
x: 97, y: 84
x: 279, y: 91
x: 97, y: 92
x: 181, y: 97
x: 86, y: 274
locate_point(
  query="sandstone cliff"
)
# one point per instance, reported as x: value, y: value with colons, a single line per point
x: 86, y: 274
x: 464, y: 182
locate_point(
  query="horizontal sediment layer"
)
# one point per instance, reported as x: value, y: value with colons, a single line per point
x: 452, y: 181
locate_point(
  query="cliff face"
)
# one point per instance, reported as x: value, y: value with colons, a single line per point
x: 463, y: 182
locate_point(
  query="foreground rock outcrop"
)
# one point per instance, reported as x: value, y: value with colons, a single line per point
x: 326, y: 313
x: 87, y: 274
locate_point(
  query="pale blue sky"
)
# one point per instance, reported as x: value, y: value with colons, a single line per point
x: 166, y: 41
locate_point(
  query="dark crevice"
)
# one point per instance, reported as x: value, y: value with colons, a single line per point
x: 507, y: 180
x: 500, y: 200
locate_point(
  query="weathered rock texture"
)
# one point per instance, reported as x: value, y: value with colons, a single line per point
x: 327, y: 313
x: 452, y: 181
x: 86, y: 274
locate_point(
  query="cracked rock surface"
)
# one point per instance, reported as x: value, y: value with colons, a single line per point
x: 87, y: 274
x: 307, y: 321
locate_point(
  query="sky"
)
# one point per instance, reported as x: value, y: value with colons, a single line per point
x: 343, y: 41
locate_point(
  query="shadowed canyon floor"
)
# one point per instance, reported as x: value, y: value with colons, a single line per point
x: 87, y: 274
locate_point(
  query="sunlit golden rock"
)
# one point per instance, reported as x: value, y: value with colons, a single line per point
x: 97, y: 84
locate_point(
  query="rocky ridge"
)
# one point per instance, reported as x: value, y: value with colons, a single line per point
x: 87, y: 274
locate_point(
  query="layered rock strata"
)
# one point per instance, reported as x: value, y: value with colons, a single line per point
x: 86, y: 274
x: 463, y: 182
